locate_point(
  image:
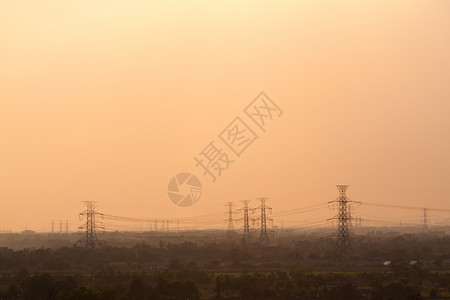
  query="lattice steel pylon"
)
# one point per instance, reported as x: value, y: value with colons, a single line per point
x: 344, y: 219
x: 91, y: 225
x: 263, y: 237
x: 245, y: 218
x: 230, y: 216
x: 425, y: 220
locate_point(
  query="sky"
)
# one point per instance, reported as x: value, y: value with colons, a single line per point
x: 108, y: 100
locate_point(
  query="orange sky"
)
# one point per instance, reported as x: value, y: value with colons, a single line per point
x: 107, y: 100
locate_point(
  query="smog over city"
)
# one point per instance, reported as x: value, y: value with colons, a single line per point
x: 224, y: 149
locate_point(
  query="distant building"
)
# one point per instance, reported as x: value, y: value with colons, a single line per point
x: 27, y: 231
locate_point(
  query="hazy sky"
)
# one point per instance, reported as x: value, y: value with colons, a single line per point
x: 107, y: 100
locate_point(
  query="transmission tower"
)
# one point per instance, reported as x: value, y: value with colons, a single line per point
x: 230, y: 216
x: 263, y: 220
x: 344, y: 219
x: 425, y: 220
x: 90, y: 227
x: 245, y: 218
x: 350, y: 219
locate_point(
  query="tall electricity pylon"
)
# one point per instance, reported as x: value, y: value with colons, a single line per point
x: 344, y: 219
x: 425, y: 220
x: 245, y: 218
x: 90, y: 227
x: 230, y: 216
x: 263, y: 220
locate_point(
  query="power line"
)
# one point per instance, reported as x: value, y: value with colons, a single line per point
x: 404, y: 207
